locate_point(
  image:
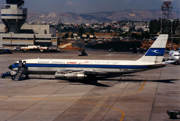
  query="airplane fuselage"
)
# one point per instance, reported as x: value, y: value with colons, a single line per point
x: 83, y: 69
x: 51, y: 66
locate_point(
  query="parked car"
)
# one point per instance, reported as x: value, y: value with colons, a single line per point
x: 1, y: 51
x: 53, y: 48
x: 17, y: 48
x: 82, y: 53
x: 30, y: 47
x: 43, y: 49
x: 4, y: 75
x: 7, y: 51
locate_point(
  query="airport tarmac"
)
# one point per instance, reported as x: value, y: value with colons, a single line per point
x: 144, y: 96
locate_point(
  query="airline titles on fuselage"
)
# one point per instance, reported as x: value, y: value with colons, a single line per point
x: 76, y: 62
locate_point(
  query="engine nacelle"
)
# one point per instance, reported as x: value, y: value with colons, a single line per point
x: 70, y: 76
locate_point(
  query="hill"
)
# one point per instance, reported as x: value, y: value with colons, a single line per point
x: 135, y: 15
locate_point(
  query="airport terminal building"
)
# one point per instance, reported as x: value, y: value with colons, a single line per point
x: 43, y: 35
x: 14, y: 33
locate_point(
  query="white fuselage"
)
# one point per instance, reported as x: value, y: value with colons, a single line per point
x: 81, y: 69
x: 51, y: 66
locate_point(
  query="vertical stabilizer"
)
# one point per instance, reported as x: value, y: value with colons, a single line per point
x: 155, y: 54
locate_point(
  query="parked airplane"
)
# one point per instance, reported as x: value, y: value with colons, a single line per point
x: 174, y: 57
x: 88, y: 69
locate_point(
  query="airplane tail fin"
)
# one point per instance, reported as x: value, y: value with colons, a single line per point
x: 155, y: 54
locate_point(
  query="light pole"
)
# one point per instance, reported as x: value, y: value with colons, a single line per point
x: 172, y: 48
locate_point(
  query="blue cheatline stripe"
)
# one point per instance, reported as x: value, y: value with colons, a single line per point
x: 23, y: 15
x: 84, y: 66
x: 155, y: 52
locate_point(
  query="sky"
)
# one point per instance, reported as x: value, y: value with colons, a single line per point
x: 90, y: 6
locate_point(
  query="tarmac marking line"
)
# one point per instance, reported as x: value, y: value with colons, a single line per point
x: 138, y: 91
x: 107, y: 106
x: 73, y: 98
x: 102, y: 105
x: 96, y: 109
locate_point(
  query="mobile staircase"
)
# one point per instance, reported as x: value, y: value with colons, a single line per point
x: 20, y: 75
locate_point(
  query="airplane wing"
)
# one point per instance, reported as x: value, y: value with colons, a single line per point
x: 170, y: 62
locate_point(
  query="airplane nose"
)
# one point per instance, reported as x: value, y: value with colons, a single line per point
x: 10, y: 67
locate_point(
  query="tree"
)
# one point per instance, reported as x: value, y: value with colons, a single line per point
x: 145, y: 35
x: 66, y: 35
x: 81, y: 31
x: 136, y: 36
x: 155, y: 26
x: 91, y: 31
x: 72, y: 36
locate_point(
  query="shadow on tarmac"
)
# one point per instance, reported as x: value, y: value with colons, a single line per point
x: 90, y: 82
x: 142, y: 80
x: 98, y: 82
x: 75, y: 82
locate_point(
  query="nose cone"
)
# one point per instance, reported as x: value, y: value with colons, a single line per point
x: 10, y: 67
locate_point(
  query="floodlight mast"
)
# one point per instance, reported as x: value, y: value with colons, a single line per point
x: 166, y: 14
x: 167, y: 18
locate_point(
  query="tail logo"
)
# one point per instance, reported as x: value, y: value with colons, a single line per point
x: 155, y: 52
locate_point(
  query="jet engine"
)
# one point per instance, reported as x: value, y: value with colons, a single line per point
x: 70, y: 76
